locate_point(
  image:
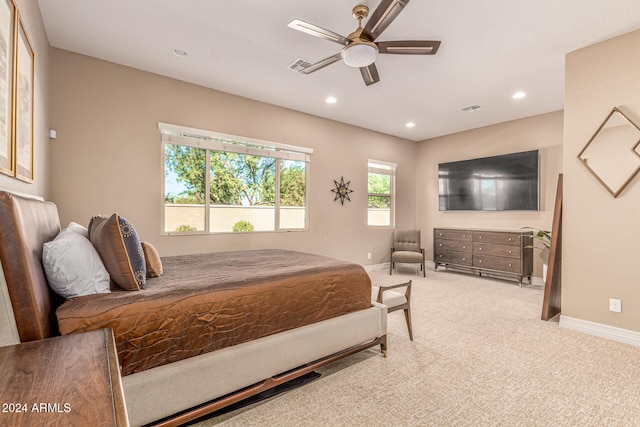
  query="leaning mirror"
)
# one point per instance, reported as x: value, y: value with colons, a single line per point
x: 612, y: 154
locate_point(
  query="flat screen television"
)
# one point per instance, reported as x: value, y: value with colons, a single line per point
x: 507, y: 182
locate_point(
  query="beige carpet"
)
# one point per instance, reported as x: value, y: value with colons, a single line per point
x: 480, y: 357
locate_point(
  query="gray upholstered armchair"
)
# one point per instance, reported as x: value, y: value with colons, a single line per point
x: 407, y: 248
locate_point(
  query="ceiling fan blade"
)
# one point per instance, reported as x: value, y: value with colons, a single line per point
x: 409, y: 47
x: 321, y: 64
x: 384, y: 15
x: 370, y: 74
x: 314, y: 30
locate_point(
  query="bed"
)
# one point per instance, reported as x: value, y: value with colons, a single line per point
x: 255, y: 319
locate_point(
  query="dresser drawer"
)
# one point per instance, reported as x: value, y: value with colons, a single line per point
x: 442, y: 245
x: 440, y: 233
x: 493, y: 249
x: 495, y: 263
x: 458, y: 258
x: 497, y: 237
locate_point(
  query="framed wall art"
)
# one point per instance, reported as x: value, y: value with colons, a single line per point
x: 23, y: 105
x: 7, y: 23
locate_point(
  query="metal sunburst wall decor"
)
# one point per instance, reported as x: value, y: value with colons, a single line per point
x: 342, y: 190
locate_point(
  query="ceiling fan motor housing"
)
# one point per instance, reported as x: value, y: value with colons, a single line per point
x: 361, y: 52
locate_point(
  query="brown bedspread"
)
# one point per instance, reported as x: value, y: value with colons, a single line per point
x: 207, y: 302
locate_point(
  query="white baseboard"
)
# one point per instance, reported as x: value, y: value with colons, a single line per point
x: 376, y: 267
x: 537, y: 281
x: 431, y: 265
x: 385, y: 267
x: 600, y: 330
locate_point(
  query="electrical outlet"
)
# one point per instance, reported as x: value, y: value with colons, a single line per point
x: 615, y: 305
x: 368, y: 255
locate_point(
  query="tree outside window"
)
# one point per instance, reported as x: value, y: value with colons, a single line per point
x: 247, y: 192
x: 381, y: 193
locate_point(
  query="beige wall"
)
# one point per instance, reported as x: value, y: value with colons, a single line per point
x: 543, y: 132
x: 601, y: 233
x: 107, y: 158
x: 30, y: 13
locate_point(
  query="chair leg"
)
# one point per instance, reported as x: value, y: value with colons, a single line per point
x: 407, y: 316
x: 383, y: 346
x: 424, y: 271
x: 390, y: 268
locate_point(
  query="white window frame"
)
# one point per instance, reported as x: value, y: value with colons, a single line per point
x: 383, y: 168
x: 216, y: 141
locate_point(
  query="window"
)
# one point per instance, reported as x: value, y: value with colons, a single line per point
x: 381, y: 189
x: 217, y: 183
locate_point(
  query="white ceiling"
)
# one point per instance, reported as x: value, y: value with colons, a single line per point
x: 490, y: 49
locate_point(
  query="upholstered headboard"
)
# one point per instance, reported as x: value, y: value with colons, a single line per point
x: 25, y: 225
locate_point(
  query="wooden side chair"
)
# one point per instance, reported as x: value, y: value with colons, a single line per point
x: 394, y: 300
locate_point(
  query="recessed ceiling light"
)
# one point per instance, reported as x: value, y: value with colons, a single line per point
x: 331, y: 100
x: 518, y: 95
x: 410, y: 124
x: 179, y: 53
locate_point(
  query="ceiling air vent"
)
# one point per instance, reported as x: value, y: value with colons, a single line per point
x: 471, y: 108
x: 299, y: 64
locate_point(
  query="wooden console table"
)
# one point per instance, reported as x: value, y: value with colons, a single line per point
x: 73, y: 380
x: 484, y: 251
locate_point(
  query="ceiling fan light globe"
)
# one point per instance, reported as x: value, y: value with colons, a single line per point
x: 359, y: 54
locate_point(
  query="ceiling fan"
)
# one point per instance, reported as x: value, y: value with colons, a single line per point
x: 360, y: 48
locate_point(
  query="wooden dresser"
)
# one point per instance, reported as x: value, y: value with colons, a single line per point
x: 73, y: 380
x: 500, y: 253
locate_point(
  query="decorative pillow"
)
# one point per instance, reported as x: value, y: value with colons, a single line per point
x: 117, y: 242
x: 152, y: 260
x: 73, y: 266
x: 77, y: 228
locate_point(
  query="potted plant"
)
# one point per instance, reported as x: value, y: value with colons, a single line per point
x: 544, y: 237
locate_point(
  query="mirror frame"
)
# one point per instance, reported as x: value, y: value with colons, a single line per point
x: 633, y: 149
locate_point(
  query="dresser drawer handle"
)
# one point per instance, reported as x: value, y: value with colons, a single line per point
x: 480, y: 237
x: 440, y: 245
x: 510, y: 239
x: 509, y: 251
x: 464, y: 235
x: 479, y: 249
x: 480, y: 261
x: 440, y: 234
x: 464, y: 259
x: 510, y: 265
x: 464, y: 247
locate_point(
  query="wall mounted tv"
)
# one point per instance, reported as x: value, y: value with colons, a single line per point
x: 507, y: 182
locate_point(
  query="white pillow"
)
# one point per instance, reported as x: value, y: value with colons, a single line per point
x: 77, y: 228
x: 73, y: 267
